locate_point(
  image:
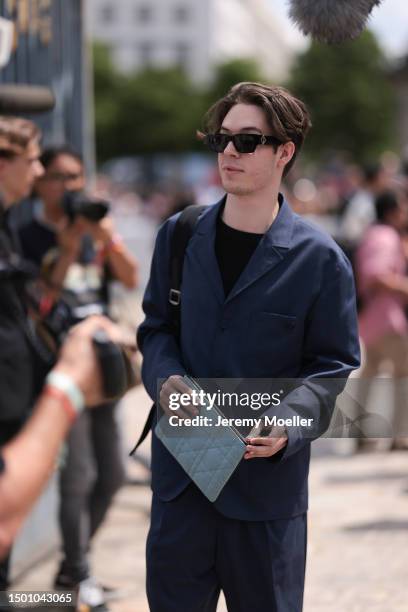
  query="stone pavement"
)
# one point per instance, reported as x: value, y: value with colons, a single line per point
x: 358, y: 531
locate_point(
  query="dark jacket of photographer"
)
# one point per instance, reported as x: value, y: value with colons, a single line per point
x: 18, y: 357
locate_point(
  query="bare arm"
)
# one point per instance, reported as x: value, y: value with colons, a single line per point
x: 121, y: 262
x: 30, y: 456
x: 392, y: 283
x: 123, y: 265
x: 30, y: 459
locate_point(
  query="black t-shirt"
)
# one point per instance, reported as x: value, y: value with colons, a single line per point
x: 233, y: 249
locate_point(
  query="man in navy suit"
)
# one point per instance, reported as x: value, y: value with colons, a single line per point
x: 264, y: 294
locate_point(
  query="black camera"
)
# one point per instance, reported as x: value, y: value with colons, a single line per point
x: 116, y: 361
x: 78, y: 204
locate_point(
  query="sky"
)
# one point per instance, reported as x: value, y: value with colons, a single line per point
x: 389, y: 21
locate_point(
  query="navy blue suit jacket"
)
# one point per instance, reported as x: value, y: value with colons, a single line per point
x: 291, y: 314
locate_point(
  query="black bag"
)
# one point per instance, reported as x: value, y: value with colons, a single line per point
x: 183, y: 231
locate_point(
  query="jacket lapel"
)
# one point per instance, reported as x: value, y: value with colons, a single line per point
x: 268, y: 254
x: 262, y: 261
x: 271, y: 250
x: 202, y: 249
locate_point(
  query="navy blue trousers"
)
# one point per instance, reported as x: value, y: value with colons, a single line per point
x: 194, y: 552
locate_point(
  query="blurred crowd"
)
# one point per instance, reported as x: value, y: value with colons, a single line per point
x: 78, y: 259
x: 365, y: 208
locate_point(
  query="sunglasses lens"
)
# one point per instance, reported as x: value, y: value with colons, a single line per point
x: 243, y: 143
x: 216, y: 142
x: 246, y: 143
x: 220, y: 141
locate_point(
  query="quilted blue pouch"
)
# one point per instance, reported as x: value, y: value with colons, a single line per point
x: 208, y: 453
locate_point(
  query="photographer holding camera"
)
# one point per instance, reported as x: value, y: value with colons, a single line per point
x: 26, y: 462
x: 27, y: 456
x: 19, y: 167
x: 71, y: 238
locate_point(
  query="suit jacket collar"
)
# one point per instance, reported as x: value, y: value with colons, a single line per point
x: 269, y: 252
x: 279, y: 233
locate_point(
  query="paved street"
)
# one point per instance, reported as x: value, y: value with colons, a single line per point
x: 358, y: 532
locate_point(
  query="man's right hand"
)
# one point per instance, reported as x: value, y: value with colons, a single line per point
x: 175, y: 385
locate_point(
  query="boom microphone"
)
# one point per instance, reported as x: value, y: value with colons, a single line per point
x: 331, y: 21
x: 25, y: 99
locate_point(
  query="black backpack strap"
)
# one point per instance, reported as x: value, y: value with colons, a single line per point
x: 146, y: 428
x: 182, y: 233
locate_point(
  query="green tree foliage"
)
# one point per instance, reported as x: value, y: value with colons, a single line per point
x: 349, y: 96
x: 108, y: 85
x: 160, y: 111
x: 156, y: 110
x: 231, y: 72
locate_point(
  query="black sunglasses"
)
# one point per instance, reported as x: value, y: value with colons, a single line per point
x: 243, y: 143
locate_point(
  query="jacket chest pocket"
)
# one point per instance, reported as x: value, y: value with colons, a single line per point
x: 276, y: 339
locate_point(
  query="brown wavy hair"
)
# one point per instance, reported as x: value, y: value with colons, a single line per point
x: 287, y: 116
x: 15, y: 135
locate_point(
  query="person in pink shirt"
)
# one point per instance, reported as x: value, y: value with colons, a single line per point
x: 382, y: 283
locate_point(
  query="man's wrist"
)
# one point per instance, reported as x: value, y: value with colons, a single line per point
x: 278, y: 432
x: 63, y: 401
x: 64, y: 386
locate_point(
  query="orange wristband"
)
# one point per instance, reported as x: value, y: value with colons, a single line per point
x: 64, y: 399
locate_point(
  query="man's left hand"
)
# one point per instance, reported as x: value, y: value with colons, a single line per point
x: 265, y: 446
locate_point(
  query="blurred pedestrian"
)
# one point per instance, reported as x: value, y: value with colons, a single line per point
x: 359, y: 213
x: 381, y: 269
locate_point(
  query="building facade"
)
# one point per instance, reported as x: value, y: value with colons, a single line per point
x: 49, y: 50
x: 195, y: 34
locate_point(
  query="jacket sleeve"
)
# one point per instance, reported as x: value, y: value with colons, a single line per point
x: 331, y: 351
x: 155, y: 336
